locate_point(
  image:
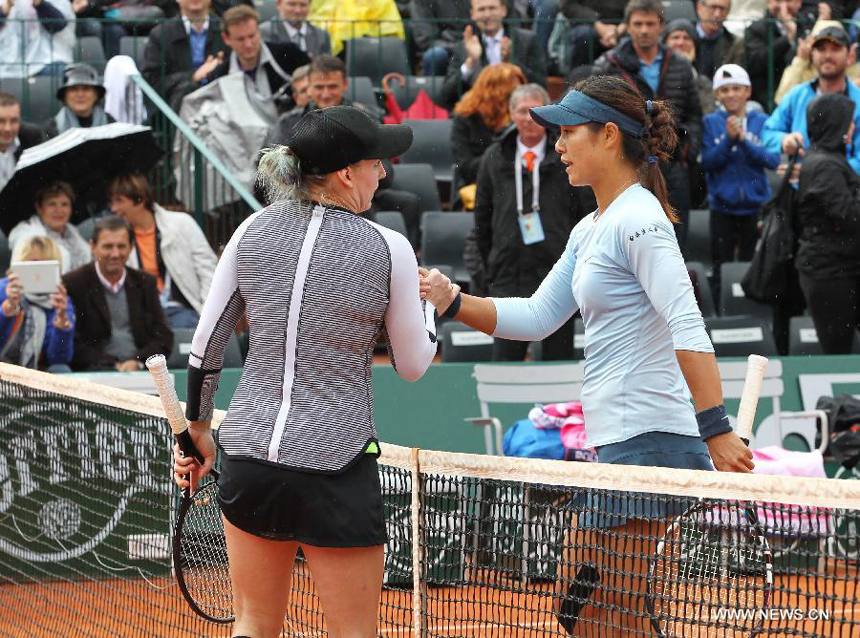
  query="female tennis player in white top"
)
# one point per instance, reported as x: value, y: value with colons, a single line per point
x: 319, y: 284
x: 645, y: 336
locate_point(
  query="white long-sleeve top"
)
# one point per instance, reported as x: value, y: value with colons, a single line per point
x: 319, y: 285
x: 624, y: 271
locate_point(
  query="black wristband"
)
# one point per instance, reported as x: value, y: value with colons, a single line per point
x: 713, y: 421
x: 454, y: 308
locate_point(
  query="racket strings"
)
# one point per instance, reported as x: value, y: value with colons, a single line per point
x: 203, y: 558
x: 709, y: 578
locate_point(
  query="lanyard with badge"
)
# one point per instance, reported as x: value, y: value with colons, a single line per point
x: 530, y: 224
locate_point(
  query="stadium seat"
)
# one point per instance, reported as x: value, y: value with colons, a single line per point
x: 461, y: 343
x: 37, y: 96
x: 431, y: 144
x: 674, y: 9
x: 733, y: 301
x: 578, y: 338
x: 85, y: 228
x: 803, y: 339
x: 89, y: 49
x: 178, y: 359
x: 133, y: 46
x: 443, y: 238
x: 418, y: 179
x: 267, y: 10
x: 360, y: 89
x: 698, y: 246
x: 5, y: 253
x: 740, y: 336
x: 376, y: 57
x: 706, y: 296
x: 392, y: 220
x: 406, y: 94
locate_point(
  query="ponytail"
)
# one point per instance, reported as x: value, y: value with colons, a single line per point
x: 658, y: 141
x: 280, y: 176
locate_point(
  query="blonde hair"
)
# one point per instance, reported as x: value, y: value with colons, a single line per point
x: 49, y: 248
x: 280, y: 176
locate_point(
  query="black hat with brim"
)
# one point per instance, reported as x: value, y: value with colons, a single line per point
x: 327, y: 140
x: 834, y: 34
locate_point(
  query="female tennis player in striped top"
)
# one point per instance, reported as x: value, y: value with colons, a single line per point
x: 319, y: 284
x: 645, y: 336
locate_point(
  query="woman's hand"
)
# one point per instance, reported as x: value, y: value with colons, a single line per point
x: 187, y: 471
x: 12, y: 304
x: 729, y: 453
x: 437, y: 289
x: 60, y: 303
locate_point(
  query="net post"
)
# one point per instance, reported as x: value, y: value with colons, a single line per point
x: 417, y: 574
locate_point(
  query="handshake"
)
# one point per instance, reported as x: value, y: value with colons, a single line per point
x: 436, y: 288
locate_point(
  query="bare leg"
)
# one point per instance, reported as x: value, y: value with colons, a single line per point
x: 609, y: 568
x: 349, y: 583
x: 260, y: 570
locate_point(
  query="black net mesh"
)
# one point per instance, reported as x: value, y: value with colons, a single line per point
x: 86, y: 512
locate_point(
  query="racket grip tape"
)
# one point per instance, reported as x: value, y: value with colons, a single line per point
x: 756, y: 365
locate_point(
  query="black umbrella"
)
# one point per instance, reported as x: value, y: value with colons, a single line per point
x: 86, y: 158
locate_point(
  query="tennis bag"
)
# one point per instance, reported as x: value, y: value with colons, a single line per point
x: 768, y: 278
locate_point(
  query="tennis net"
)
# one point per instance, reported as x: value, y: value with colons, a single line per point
x: 478, y: 546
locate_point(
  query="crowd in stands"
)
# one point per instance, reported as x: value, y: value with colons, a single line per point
x: 746, y: 80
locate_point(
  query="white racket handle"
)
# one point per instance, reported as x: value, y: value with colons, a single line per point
x: 157, y: 365
x: 756, y: 365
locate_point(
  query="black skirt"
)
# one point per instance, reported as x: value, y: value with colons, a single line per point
x: 322, y: 510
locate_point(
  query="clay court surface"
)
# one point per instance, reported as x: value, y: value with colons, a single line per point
x: 138, y: 608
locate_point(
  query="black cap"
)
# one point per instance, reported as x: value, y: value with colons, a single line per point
x: 834, y: 34
x: 327, y: 140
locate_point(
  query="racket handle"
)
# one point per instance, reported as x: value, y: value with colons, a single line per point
x: 187, y: 447
x: 749, y: 397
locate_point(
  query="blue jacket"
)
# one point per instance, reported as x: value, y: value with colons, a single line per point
x: 735, y: 169
x: 790, y: 116
x: 58, y: 346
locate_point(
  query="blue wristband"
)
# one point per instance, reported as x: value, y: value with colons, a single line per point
x: 713, y: 421
x: 452, y: 310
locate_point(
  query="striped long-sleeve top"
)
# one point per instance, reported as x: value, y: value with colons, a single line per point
x: 319, y: 286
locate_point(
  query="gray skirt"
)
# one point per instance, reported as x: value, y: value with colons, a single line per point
x: 610, y: 508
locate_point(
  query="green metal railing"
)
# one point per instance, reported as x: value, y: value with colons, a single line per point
x: 192, y: 177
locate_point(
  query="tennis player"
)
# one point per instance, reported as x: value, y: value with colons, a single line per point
x: 645, y: 336
x: 319, y: 284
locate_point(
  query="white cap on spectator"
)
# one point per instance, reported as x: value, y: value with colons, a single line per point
x: 731, y: 74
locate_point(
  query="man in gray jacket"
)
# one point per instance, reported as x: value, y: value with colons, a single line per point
x: 292, y: 25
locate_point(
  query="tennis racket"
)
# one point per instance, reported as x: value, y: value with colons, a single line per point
x: 712, y: 572
x: 199, y: 545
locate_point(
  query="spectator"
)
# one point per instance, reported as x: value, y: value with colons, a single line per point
x: 828, y: 213
x: 521, y: 174
x: 292, y: 25
x: 300, y: 82
x: 15, y: 136
x: 785, y: 129
x: 267, y: 67
x: 37, y: 330
x: 37, y: 37
x: 179, y: 55
x: 80, y: 94
x: 715, y: 42
x: 659, y: 73
x: 742, y: 14
x: 327, y: 86
x: 53, y: 210
x: 801, y: 70
x: 481, y: 115
x: 734, y: 161
x: 437, y: 27
x: 121, y: 321
x: 583, y: 31
x: 347, y: 20
x: 768, y: 43
x: 493, y: 44
x: 680, y: 36
x: 90, y: 21
x: 169, y: 246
